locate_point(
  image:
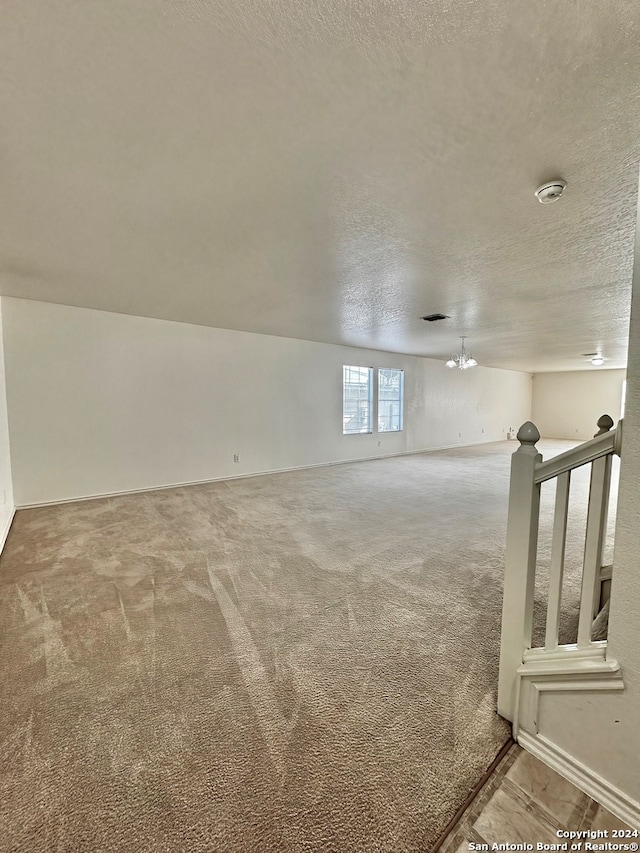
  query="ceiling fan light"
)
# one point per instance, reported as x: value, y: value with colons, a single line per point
x: 597, y: 360
x: 451, y: 363
x: 471, y: 363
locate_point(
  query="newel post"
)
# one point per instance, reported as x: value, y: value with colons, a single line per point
x: 617, y: 443
x: 520, y: 565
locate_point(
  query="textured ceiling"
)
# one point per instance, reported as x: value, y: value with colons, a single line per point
x: 329, y: 170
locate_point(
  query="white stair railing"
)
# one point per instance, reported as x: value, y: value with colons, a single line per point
x: 528, y: 472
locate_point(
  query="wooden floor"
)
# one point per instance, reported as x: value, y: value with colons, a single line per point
x: 525, y: 802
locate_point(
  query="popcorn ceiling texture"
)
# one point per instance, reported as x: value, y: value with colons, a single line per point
x: 299, y: 661
x: 329, y: 171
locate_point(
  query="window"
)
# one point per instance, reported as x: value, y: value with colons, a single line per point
x: 357, y: 399
x: 390, y: 393
x: 358, y: 413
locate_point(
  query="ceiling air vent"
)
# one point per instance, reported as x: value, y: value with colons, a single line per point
x: 431, y: 318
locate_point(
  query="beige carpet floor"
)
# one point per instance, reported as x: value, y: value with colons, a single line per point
x: 303, y: 661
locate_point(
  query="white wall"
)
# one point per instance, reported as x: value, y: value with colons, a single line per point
x: 102, y: 403
x: 599, y: 729
x: 568, y: 405
x: 6, y: 489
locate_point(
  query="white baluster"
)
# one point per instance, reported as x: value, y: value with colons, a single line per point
x: 556, y: 573
x: 605, y: 423
x: 520, y: 564
x: 593, y: 547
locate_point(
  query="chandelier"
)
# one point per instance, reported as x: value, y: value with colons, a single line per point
x: 463, y: 360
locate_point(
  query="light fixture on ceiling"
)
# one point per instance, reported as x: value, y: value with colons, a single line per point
x: 463, y: 359
x: 551, y: 191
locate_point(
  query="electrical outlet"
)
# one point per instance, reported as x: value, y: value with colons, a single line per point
x: 236, y: 457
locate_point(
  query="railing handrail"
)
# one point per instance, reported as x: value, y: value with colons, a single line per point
x: 601, y: 445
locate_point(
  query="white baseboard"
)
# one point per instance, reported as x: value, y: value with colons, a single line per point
x: 99, y: 495
x: 7, y: 528
x: 594, y: 785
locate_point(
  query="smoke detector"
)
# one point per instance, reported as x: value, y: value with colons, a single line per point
x: 551, y: 191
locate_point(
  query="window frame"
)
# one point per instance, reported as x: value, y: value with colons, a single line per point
x: 400, y: 400
x: 373, y: 400
x: 370, y: 399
